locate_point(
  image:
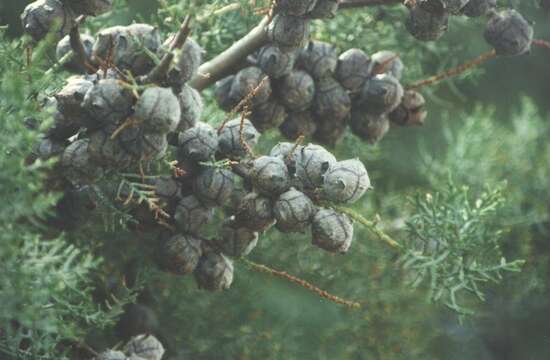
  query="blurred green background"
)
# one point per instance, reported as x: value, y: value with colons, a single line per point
x: 484, y: 128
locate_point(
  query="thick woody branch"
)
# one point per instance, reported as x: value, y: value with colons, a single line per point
x: 225, y: 63
x: 234, y: 57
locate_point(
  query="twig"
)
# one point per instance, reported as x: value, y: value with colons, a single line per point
x: 159, y: 72
x: 303, y: 283
x: 126, y: 124
x: 177, y: 171
x: 223, y: 10
x: 467, y: 66
x: 542, y: 43
x: 383, y: 66
x: 454, y: 71
x: 271, y: 11
x: 243, y: 103
x: 64, y: 59
x: 242, y: 140
x: 297, y: 143
x: 78, y: 47
x: 144, y: 193
x: 104, y: 64
x: 371, y: 225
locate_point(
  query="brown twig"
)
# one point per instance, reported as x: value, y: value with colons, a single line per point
x: 246, y: 101
x: 383, y: 66
x: 78, y: 47
x: 297, y: 143
x: 467, y: 66
x: 159, y: 72
x: 105, y: 65
x: 177, y: 171
x: 542, y: 43
x: 271, y: 11
x: 453, y: 71
x: 242, y: 140
x: 108, y: 63
x: 126, y: 124
x: 303, y: 283
x: 262, y: 11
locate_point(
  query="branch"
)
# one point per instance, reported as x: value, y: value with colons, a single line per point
x: 542, y: 43
x: 225, y: 63
x: 302, y: 283
x: 244, y: 103
x: 78, y: 47
x: 371, y: 225
x: 159, y: 72
x: 466, y: 66
x: 454, y: 71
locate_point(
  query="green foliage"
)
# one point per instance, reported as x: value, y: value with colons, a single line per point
x: 480, y: 150
x: 46, y: 283
x: 453, y: 245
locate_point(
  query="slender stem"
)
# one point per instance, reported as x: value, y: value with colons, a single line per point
x: 64, y: 59
x: 542, y: 43
x: 220, y: 11
x: 297, y: 143
x: 371, y: 225
x: 242, y: 139
x: 78, y: 47
x: 319, y: 292
x: 454, y: 71
x: 467, y: 66
x: 160, y: 71
x: 244, y: 103
x: 130, y: 122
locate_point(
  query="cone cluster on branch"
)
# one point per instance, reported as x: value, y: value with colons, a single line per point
x: 315, y: 91
x: 305, y: 87
x: 105, y: 120
x: 120, y: 120
x: 286, y: 189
